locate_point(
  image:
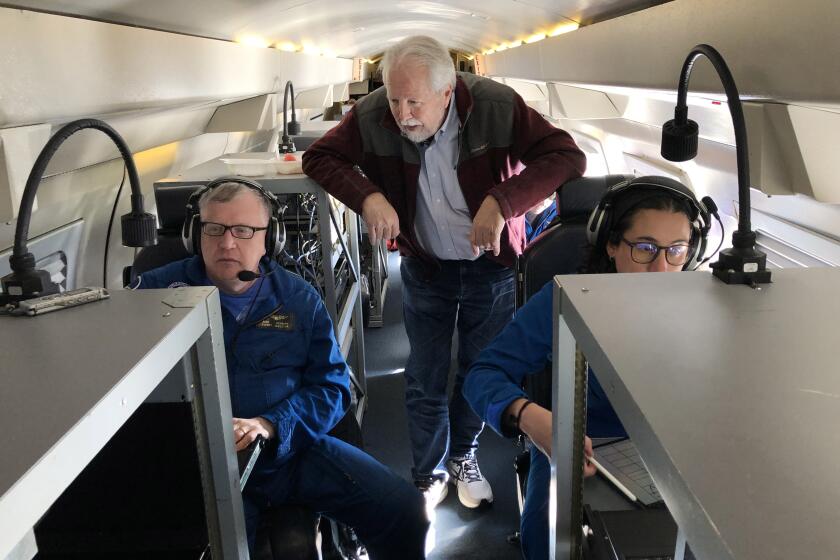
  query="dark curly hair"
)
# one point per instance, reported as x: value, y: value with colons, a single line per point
x: 598, y: 261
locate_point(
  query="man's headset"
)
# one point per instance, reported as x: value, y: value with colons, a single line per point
x: 275, y: 235
x: 605, y: 216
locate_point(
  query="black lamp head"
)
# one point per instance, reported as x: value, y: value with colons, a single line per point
x: 679, y: 137
x: 139, y: 228
x: 294, y: 127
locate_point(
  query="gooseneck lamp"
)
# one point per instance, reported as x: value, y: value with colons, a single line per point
x: 138, y: 226
x: 742, y: 263
x: 290, y: 127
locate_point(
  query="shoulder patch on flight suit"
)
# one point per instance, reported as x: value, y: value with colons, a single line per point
x: 278, y: 321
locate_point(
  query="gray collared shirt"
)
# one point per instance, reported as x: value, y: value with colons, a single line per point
x: 443, y: 221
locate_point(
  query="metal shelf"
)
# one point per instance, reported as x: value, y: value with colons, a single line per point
x: 91, y: 385
x: 729, y: 393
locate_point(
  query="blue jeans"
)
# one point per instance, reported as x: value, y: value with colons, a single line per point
x: 346, y: 484
x: 478, y: 297
x: 534, y: 523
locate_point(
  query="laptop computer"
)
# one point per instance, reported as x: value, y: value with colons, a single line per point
x: 622, y: 460
x: 247, y: 459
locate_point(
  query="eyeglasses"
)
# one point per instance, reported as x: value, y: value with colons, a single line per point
x: 238, y: 231
x: 645, y: 252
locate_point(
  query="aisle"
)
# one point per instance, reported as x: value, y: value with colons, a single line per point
x: 460, y: 533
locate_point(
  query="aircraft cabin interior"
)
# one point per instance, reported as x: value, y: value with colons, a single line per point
x: 120, y: 432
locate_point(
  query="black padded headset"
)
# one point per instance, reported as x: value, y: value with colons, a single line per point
x: 275, y: 235
x: 604, y: 217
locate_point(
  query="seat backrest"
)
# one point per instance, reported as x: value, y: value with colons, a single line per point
x: 560, y: 249
x: 169, y: 249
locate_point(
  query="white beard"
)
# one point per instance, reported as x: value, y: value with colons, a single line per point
x: 418, y: 135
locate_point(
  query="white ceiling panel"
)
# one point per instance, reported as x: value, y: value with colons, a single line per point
x: 362, y: 28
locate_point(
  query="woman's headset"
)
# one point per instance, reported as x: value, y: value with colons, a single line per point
x: 605, y: 216
x: 275, y: 235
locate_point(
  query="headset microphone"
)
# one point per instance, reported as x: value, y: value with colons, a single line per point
x: 249, y: 275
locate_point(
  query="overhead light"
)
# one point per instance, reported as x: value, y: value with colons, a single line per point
x: 487, y: 51
x: 287, y: 47
x: 563, y: 28
x: 514, y: 44
x: 252, y: 41
x: 501, y: 47
x: 535, y: 37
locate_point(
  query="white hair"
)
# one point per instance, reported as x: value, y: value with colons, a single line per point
x: 423, y: 51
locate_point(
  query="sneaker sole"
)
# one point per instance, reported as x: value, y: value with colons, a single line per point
x: 467, y: 502
x: 443, y: 494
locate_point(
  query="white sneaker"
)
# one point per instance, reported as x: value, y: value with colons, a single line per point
x: 472, y: 487
x: 434, y: 491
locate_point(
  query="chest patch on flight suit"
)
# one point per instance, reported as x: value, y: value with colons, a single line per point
x: 278, y: 321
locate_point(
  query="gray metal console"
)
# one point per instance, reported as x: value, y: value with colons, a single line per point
x: 731, y: 394
x: 72, y: 378
x: 346, y: 312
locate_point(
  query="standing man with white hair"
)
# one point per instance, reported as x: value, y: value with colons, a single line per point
x: 450, y: 162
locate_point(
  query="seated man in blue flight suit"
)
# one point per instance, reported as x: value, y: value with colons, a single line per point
x: 288, y: 380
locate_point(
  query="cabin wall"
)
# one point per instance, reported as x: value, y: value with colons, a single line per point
x: 776, y: 49
x: 628, y: 147
x: 615, y: 81
x: 159, y: 90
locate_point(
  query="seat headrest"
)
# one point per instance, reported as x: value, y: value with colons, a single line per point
x: 579, y: 197
x: 168, y: 249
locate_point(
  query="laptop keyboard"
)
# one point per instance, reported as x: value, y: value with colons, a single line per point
x: 623, y: 461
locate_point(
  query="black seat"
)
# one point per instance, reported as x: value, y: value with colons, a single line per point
x: 560, y: 249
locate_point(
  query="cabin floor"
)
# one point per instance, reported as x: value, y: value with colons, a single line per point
x: 459, y: 533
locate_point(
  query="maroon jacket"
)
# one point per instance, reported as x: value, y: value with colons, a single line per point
x: 506, y: 150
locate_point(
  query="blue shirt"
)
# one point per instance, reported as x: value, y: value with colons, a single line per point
x: 524, y: 348
x: 443, y: 221
x: 241, y: 306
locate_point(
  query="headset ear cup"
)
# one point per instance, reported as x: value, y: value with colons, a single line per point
x: 700, y: 252
x: 698, y: 248
x: 188, y: 234
x: 280, y: 242
x: 196, y: 234
x: 593, y: 226
x: 270, y: 240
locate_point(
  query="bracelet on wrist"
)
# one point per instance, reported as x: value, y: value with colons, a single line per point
x: 519, y: 415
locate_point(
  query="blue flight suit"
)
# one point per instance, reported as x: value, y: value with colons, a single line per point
x: 495, y: 381
x: 284, y: 365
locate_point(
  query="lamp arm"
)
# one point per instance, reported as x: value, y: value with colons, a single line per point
x: 736, y: 111
x: 28, y: 199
